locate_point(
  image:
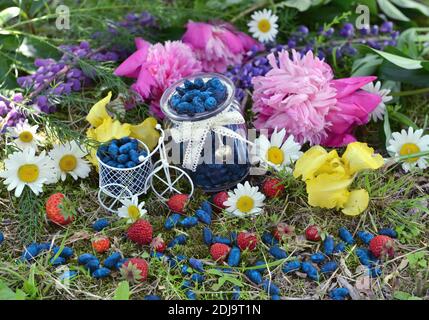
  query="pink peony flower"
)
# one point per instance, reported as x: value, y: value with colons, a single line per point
x: 217, y: 46
x: 156, y: 67
x: 300, y: 95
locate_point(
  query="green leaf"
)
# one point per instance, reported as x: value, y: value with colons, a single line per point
x: 400, y: 61
x: 6, y: 293
x: 391, y: 11
x: 8, y: 14
x: 401, y: 295
x: 371, y: 4
x: 410, y: 4
x: 386, y: 127
x: 300, y: 5
x: 366, y: 65
x: 122, y: 292
x: 418, y: 78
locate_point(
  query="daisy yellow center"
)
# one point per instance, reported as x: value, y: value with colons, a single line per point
x: 409, y: 148
x: 133, y: 212
x: 264, y: 25
x: 275, y: 155
x: 68, y: 163
x: 28, y: 173
x: 26, y: 136
x: 245, y: 204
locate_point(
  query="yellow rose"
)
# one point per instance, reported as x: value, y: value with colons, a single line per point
x: 146, y: 132
x: 98, y: 112
x: 328, y: 190
x: 311, y: 162
x: 358, y: 156
x: 357, y: 203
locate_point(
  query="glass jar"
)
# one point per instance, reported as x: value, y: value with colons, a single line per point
x: 223, y: 161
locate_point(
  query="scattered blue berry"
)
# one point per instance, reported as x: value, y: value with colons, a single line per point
x: 100, y: 224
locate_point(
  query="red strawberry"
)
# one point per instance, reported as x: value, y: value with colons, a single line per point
x: 177, y: 203
x: 140, y: 232
x: 272, y: 187
x: 219, y: 198
x: 101, y: 244
x: 135, y: 270
x: 158, y: 244
x: 382, y: 246
x: 219, y: 251
x: 283, y: 230
x: 312, y: 233
x: 55, y: 210
x: 247, y: 240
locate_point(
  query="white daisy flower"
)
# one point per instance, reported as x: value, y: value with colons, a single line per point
x: 263, y: 25
x: 406, y: 143
x: 131, y: 209
x: 69, y: 159
x: 25, y: 135
x: 378, y: 113
x: 245, y: 200
x: 24, y: 168
x: 276, y: 153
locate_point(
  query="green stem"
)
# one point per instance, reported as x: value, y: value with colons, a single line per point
x: 410, y: 156
x: 410, y: 92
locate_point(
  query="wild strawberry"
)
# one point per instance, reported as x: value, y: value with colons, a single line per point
x: 272, y: 187
x: 177, y: 203
x: 101, y: 244
x: 140, y: 232
x: 382, y: 246
x: 158, y: 244
x: 219, y: 198
x: 219, y: 251
x: 247, y: 240
x: 283, y: 230
x: 135, y: 270
x: 312, y: 233
x: 56, y: 210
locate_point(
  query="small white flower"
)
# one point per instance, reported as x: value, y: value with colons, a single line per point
x: 25, y: 135
x: 69, y: 159
x: 378, y: 113
x: 131, y: 209
x: 276, y: 153
x: 24, y: 168
x: 263, y: 25
x: 406, y: 143
x: 245, y: 200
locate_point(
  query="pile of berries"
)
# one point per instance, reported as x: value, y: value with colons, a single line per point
x: 198, y: 96
x: 121, y: 153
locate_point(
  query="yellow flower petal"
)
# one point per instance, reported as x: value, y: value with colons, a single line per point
x: 328, y: 190
x: 98, y: 112
x: 358, y: 156
x: 146, y: 132
x: 357, y: 203
x: 110, y: 129
x: 311, y: 161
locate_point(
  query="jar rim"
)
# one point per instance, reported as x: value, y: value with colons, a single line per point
x: 170, y: 91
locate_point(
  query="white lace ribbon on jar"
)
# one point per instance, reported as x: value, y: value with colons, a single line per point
x: 195, y: 134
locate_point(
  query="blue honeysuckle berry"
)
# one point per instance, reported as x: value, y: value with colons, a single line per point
x: 120, y: 166
x: 219, y: 239
x: 275, y: 297
x: 126, y: 148
x: 346, y: 236
x: 112, y: 260
x: 199, y: 278
x: 100, y: 224
x: 277, y: 252
x: 291, y: 266
x: 207, y: 236
x: 185, y: 270
x: 310, y: 270
x: 210, y: 103
x: 65, y: 253
x: 30, y: 252
x: 180, y: 239
x: 131, y: 164
x: 236, y: 293
x: 196, y: 264
x: 134, y: 155
x: 172, y: 221
x: 120, y: 263
x: 188, y: 84
x: 339, y: 293
x: 269, y: 239
x: 152, y: 297
x: 365, y: 236
x: 329, y: 267
x: 85, y: 257
x: 207, y: 207
x: 234, y: 257
x: 262, y: 266
x: 186, y: 284
x: 101, y: 273
x: 270, y: 287
x: 123, y: 158
x: 328, y: 245
x: 57, y: 261
x: 191, y: 295
x: 388, y: 232
x: 203, y: 216
x: 317, y: 257
x: 339, y: 247
x: 199, y: 83
x: 254, y: 276
x: 1, y: 237
x: 189, y: 222
x: 92, y: 265
x: 113, y: 150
